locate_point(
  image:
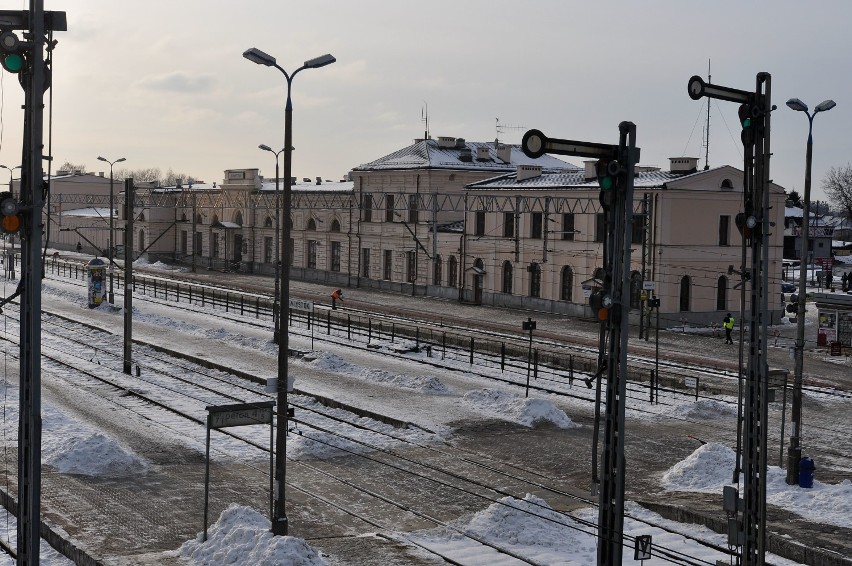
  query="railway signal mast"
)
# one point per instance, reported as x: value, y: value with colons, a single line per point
x: 25, y: 57
x: 615, y: 167
x: 753, y: 223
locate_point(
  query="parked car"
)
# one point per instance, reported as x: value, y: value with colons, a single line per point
x: 787, y: 287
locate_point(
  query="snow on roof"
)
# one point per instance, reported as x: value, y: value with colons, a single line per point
x: 429, y: 154
x: 100, y: 212
x: 325, y: 187
x: 569, y: 180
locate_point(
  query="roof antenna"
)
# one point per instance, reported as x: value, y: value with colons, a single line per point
x: 501, y: 128
x: 424, y: 117
x: 707, y: 126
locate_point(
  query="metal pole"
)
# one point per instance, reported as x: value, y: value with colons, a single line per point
x: 276, y: 307
x: 128, y: 274
x: 111, y: 209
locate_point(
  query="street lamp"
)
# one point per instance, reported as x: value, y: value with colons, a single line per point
x: 275, y: 305
x: 794, y: 451
x: 111, y: 214
x: 279, y: 515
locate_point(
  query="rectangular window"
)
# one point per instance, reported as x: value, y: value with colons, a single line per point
x: 196, y: 243
x: 568, y: 226
x: 367, y: 207
x: 388, y: 208
x: 365, y: 262
x: 600, y: 227
x: 387, y: 268
x: 536, y: 222
x: 724, y: 230
x: 412, y: 209
x: 312, y: 254
x: 335, y: 256
x: 412, y: 267
x: 508, y: 224
x: 638, y: 229
x: 479, y: 223
x: 267, y: 249
x: 215, y: 245
x: 184, y: 241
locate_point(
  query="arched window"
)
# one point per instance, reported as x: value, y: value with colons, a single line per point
x: 312, y: 225
x: 727, y: 185
x: 198, y: 219
x: 268, y: 222
x: 335, y: 225
x: 685, y: 286
x: 507, y: 277
x: 452, y: 271
x: 635, y: 289
x: 439, y: 267
x: 238, y: 218
x: 141, y: 217
x: 566, y: 284
x: 535, y: 279
x: 215, y: 219
x: 183, y: 217
x: 722, y: 293
x: 600, y: 274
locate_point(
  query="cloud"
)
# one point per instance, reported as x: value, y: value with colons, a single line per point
x: 177, y: 82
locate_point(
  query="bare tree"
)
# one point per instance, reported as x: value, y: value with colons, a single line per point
x: 71, y: 167
x: 838, y: 186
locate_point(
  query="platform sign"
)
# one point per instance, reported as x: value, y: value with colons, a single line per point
x: 648, y: 285
x: 239, y: 414
x: 223, y: 416
x: 301, y: 305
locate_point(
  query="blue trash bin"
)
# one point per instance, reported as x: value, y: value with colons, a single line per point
x: 806, y: 472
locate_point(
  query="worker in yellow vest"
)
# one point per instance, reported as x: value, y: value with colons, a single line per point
x: 728, y: 323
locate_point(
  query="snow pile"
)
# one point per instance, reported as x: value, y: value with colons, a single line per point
x: 703, y: 409
x: 242, y: 536
x: 507, y: 406
x: 142, y: 262
x: 709, y: 469
x: 528, y: 528
x: 332, y: 362
x: 96, y: 455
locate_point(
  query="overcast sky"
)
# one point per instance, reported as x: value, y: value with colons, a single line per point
x: 164, y: 83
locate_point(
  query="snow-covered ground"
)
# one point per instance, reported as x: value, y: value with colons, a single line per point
x: 527, y: 527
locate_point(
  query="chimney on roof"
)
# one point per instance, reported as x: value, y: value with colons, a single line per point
x: 446, y: 141
x: 465, y: 155
x: 100, y: 173
x: 504, y: 153
x: 482, y: 153
x: 460, y: 143
x: 683, y: 164
x: 590, y: 172
x: 528, y: 172
x: 319, y: 180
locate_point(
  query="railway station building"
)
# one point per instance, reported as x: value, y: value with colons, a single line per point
x: 469, y: 221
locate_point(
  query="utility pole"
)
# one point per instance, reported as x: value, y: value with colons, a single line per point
x: 754, y: 225
x: 27, y: 59
x: 611, y: 305
x: 128, y: 274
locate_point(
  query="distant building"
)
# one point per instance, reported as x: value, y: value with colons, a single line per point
x: 474, y: 222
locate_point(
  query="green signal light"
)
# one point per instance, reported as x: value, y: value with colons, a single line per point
x: 13, y: 62
x: 606, y: 183
x: 747, y: 123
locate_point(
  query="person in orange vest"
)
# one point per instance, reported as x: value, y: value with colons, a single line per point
x: 336, y: 295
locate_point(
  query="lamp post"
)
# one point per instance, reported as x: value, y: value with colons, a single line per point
x: 279, y: 515
x: 11, y: 174
x: 111, y: 297
x: 794, y: 451
x: 276, y: 307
